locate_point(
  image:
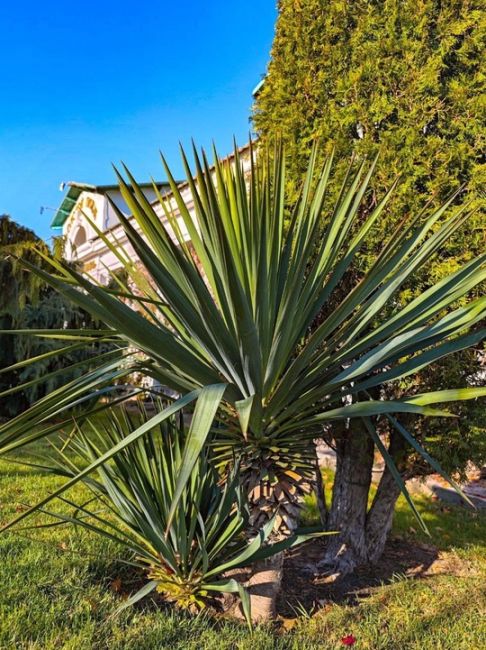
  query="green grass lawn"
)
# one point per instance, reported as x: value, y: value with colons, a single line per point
x: 60, y: 586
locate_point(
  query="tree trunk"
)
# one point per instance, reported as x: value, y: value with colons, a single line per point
x: 349, y: 501
x: 286, y: 499
x: 380, y: 516
x: 362, y: 533
x: 264, y: 586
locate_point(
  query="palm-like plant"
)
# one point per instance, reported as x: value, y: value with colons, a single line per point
x: 184, y: 535
x: 230, y: 294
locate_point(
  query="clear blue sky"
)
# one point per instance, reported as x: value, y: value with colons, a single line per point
x: 84, y: 84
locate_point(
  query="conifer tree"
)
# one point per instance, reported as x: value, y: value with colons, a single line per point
x: 404, y: 79
x: 26, y: 302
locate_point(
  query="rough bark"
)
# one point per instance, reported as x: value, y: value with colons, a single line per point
x: 285, y: 499
x: 380, y: 516
x: 362, y: 533
x: 347, y: 514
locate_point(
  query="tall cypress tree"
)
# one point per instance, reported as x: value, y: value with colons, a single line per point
x: 404, y: 79
x: 401, y: 77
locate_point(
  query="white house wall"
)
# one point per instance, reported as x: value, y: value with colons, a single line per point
x: 96, y: 257
x: 95, y: 254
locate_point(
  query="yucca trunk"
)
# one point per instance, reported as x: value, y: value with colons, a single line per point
x: 264, y: 587
x: 363, y: 531
x: 281, y: 494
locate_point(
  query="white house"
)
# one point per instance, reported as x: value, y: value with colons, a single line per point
x: 83, y: 204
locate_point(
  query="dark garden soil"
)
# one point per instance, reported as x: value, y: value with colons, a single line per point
x: 303, y: 589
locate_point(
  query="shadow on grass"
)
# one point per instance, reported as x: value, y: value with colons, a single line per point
x: 302, y: 589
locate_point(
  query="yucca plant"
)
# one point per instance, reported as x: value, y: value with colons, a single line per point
x: 245, y: 291
x: 162, y: 499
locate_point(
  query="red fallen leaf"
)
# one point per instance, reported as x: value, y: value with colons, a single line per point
x: 348, y: 640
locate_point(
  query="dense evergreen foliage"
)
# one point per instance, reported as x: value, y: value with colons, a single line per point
x: 405, y: 80
x: 26, y: 302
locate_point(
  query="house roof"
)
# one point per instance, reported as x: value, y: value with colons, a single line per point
x: 256, y: 91
x: 76, y: 189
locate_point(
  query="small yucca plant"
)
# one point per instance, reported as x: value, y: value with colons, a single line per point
x: 184, y: 536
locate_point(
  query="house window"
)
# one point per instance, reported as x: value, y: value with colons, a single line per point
x: 80, y: 237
